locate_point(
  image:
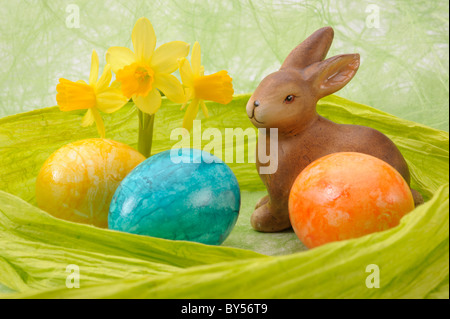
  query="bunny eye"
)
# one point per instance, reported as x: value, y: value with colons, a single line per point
x: 289, y: 99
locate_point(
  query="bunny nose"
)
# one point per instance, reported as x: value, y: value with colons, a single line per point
x: 256, y: 103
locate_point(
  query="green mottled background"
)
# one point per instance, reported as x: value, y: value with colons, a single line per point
x: 404, y: 68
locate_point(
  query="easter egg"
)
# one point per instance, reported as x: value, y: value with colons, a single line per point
x: 77, y: 181
x: 180, y: 194
x: 347, y: 195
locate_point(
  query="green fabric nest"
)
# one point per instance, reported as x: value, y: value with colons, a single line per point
x: 36, y: 248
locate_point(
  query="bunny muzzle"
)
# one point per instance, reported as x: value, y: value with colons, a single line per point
x: 251, y: 108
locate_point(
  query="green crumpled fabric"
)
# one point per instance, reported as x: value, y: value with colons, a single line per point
x: 404, y: 72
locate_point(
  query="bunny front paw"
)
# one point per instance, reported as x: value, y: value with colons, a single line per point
x: 262, y: 201
x: 263, y: 220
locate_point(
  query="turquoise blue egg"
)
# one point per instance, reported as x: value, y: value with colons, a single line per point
x: 182, y: 194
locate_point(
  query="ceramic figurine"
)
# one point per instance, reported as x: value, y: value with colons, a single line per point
x: 286, y: 100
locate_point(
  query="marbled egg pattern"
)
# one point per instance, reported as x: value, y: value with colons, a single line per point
x: 195, y: 201
x: 77, y: 181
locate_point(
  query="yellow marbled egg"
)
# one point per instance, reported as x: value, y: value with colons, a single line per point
x: 77, y: 181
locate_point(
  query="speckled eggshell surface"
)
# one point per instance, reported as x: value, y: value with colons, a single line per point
x: 77, y: 181
x: 347, y: 195
x: 191, y: 195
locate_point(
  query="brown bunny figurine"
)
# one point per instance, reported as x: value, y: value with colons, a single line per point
x: 286, y: 100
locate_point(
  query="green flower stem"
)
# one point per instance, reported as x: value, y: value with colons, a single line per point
x: 145, y: 137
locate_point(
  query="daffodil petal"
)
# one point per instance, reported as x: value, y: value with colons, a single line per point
x: 144, y: 40
x: 94, y: 68
x: 110, y: 100
x: 105, y: 79
x: 116, y: 84
x: 99, y: 122
x: 148, y: 104
x: 88, y: 119
x: 189, y: 93
x: 170, y: 86
x: 191, y: 114
x: 186, y: 72
x: 119, y: 57
x: 202, y: 70
x: 165, y: 58
x: 196, y: 60
x: 204, y: 109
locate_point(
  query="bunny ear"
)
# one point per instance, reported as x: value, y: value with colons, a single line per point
x: 334, y: 73
x: 311, y: 50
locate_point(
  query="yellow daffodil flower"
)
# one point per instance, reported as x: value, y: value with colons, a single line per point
x: 216, y: 87
x: 95, y: 96
x: 144, y: 71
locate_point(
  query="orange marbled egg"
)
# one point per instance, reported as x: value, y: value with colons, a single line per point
x: 347, y: 195
x: 77, y: 182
